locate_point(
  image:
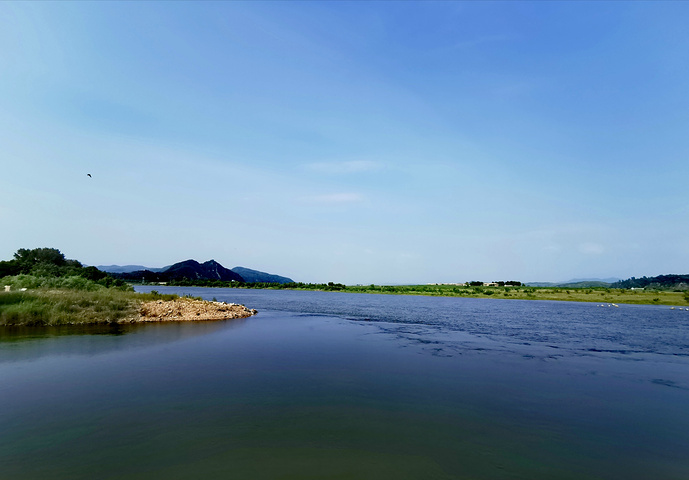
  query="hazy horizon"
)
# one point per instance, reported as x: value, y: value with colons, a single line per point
x: 354, y: 142
x: 585, y: 279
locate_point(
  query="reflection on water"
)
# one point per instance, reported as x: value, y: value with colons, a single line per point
x: 24, y: 343
x: 354, y: 387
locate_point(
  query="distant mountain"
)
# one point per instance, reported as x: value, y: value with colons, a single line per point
x: 192, y: 270
x: 585, y: 284
x: 128, y: 268
x: 210, y: 270
x: 604, y: 280
x: 254, y: 276
x: 577, y: 283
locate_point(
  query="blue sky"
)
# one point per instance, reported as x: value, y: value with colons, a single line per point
x: 357, y: 142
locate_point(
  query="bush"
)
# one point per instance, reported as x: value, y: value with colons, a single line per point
x: 60, y: 307
x: 33, y: 282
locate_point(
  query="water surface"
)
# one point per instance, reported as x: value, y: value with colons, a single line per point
x: 335, y: 385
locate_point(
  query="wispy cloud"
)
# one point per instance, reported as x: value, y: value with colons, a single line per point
x: 337, y: 198
x: 590, y: 248
x: 342, y: 168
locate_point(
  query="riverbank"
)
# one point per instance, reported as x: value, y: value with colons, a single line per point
x: 591, y: 295
x: 599, y: 295
x: 77, y: 307
x: 189, y: 310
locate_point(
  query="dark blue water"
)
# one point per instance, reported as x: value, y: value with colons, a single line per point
x: 333, y: 385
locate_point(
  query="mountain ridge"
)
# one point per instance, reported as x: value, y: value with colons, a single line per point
x: 256, y: 276
x: 210, y: 270
x: 577, y: 283
x: 193, y: 270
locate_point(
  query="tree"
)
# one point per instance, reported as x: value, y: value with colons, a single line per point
x: 9, y: 268
x: 27, y: 259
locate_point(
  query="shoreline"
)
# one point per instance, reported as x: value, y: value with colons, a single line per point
x: 587, y: 295
x: 190, y: 310
x: 55, y: 307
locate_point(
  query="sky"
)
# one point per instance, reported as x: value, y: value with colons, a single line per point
x: 354, y: 142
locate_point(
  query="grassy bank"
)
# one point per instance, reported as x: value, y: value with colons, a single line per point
x: 593, y: 295
x: 63, y: 306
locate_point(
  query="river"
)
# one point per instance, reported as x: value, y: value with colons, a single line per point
x: 337, y: 385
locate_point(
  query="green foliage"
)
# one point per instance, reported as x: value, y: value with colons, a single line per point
x: 27, y: 259
x: 74, y: 282
x: 62, y: 307
x: 9, y: 268
x: 48, y: 268
x: 661, y: 282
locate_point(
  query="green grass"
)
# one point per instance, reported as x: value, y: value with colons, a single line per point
x: 74, y: 282
x: 52, y: 307
x: 66, y: 307
x: 595, y: 295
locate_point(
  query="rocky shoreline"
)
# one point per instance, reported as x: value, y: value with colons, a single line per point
x: 191, y: 310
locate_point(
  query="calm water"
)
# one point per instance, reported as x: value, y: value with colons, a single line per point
x: 333, y: 385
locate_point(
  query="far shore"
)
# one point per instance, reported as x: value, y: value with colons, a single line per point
x: 598, y: 295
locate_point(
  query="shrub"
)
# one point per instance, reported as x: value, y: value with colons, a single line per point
x: 32, y: 282
x: 59, y: 307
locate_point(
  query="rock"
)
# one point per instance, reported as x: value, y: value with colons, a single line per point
x: 187, y: 309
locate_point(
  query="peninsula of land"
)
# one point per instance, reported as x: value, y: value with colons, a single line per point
x: 46, y: 289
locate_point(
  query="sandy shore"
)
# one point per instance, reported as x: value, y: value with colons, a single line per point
x: 189, y: 310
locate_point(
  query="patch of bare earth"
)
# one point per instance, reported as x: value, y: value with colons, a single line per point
x: 190, y: 310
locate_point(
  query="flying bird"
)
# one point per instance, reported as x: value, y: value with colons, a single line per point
x: 89, y: 175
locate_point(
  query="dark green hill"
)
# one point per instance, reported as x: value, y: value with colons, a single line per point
x: 210, y: 270
x: 191, y: 270
x: 254, y: 276
x: 584, y: 284
x: 661, y: 282
x: 188, y: 269
x: 577, y: 283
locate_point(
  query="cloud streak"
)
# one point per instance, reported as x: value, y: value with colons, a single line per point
x: 344, y: 168
x: 336, y: 198
x: 590, y: 248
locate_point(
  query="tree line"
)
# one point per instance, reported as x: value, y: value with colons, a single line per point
x: 51, y: 263
x: 660, y: 282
